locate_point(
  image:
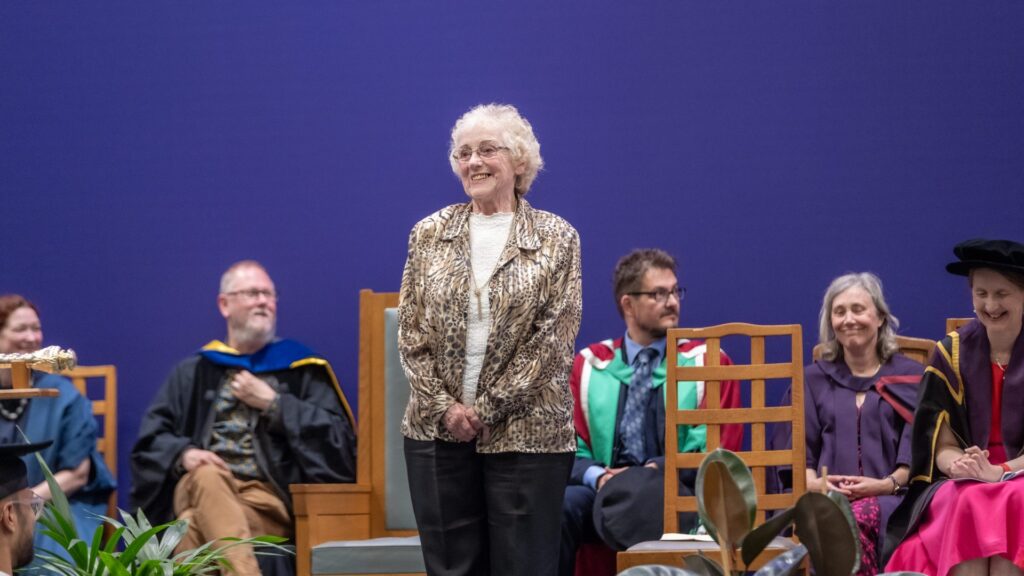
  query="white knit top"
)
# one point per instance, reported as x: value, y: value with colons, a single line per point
x: 487, y: 237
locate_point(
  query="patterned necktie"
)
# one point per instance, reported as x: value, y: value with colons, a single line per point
x: 633, y: 415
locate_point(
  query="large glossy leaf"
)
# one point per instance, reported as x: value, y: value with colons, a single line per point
x: 822, y: 527
x: 785, y: 563
x: 721, y: 497
x: 655, y: 570
x: 726, y: 500
x: 844, y: 504
x: 759, y: 538
x: 702, y: 565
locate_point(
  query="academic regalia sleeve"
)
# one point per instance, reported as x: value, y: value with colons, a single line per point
x: 812, y: 424
x: 154, y: 457
x: 940, y: 399
x: 317, y: 429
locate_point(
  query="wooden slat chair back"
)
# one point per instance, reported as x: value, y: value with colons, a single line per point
x: 758, y: 458
x: 917, y: 349
x: 757, y: 416
x: 333, y: 519
x: 953, y: 324
x: 102, y: 393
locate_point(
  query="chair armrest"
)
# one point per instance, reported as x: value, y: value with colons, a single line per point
x: 325, y: 512
x: 346, y: 488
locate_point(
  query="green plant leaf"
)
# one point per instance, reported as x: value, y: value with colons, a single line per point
x: 822, y: 527
x: 270, y: 539
x: 844, y: 504
x: 702, y: 565
x: 137, y: 542
x: 57, y: 497
x: 113, y: 563
x: 730, y: 495
x: 163, y: 546
x: 145, y: 553
x: 56, y: 563
x: 723, y: 506
x: 79, y: 552
x: 59, y: 523
x: 784, y: 564
x: 759, y: 538
x: 95, y: 549
x: 114, y: 539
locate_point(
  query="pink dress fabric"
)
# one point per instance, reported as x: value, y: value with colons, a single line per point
x: 966, y: 520
x: 868, y: 517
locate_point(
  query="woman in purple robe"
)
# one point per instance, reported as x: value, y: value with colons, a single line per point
x: 964, y: 512
x: 859, y: 400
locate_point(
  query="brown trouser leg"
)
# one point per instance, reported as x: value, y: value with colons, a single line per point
x: 219, y: 506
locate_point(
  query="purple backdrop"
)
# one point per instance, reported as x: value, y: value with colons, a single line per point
x: 771, y: 146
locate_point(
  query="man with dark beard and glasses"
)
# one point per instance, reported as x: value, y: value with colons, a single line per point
x: 615, y: 493
x: 19, y: 507
x: 236, y: 423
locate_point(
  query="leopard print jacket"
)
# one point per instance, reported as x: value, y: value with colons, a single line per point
x: 536, y: 304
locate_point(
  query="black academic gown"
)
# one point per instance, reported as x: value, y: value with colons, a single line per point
x: 311, y: 440
x: 957, y: 387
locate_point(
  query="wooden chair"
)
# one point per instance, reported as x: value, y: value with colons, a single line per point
x: 103, y: 395
x: 919, y: 349
x: 758, y: 458
x: 338, y: 525
x: 952, y: 324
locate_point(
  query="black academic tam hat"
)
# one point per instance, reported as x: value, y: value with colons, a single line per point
x: 980, y: 253
x: 629, y: 508
x: 13, y: 474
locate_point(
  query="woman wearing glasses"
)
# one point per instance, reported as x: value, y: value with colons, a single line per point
x: 859, y: 400
x: 66, y: 419
x: 969, y: 428
x: 490, y: 306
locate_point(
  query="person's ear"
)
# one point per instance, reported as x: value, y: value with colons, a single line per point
x: 222, y: 305
x: 626, y: 303
x: 8, y: 517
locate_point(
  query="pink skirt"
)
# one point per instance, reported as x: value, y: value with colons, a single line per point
x: 965, y: 520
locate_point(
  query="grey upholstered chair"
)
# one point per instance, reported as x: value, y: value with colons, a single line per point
x: 370, y: 529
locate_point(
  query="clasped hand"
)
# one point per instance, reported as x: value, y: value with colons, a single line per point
x: 609, y: 472
x: 973, y: 463
x: 857, y: 487
x: 251, y: 391
x: 464, y: 424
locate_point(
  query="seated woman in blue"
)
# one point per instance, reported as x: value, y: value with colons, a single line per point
x: 66, y: 419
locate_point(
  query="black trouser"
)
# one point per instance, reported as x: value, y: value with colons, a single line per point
x: 480, y: 514
x: 577, y: 525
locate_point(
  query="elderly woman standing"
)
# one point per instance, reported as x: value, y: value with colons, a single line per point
x: 859, y: 402
x: 969, y: 428
x: 490, y: 306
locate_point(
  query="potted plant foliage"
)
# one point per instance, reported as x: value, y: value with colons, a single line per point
x: 727, y: 505
x: 136, y: 548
